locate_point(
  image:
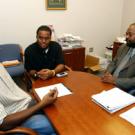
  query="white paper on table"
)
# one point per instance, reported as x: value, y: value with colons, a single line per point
x: 129, y: 115
x: 62, y: 90
x: 113, y: 100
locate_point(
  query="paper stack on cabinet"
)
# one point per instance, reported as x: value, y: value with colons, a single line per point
x: 113, y: 100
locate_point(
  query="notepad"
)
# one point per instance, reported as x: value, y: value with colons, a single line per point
x: 113, y: 100
x: 62, y: 90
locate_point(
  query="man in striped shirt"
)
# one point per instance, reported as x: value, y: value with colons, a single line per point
x: 18, y: 107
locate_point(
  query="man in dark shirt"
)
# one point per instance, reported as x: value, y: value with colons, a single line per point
x: 44, y: 58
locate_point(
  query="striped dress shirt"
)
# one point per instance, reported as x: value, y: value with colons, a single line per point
x: 12, y: 98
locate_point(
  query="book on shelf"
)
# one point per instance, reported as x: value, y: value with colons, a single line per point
x: 62, y: 90
x: 113, y: 100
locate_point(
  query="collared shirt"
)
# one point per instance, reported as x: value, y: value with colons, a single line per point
x: 12, y: 98
x: 37, y: 58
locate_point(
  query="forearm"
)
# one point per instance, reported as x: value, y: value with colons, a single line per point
x: 59, y: 68
x: 125, y: 83
x: 15, y: 119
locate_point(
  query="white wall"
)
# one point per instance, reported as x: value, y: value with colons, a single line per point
x: 97, y: 22
x: 128, y: 14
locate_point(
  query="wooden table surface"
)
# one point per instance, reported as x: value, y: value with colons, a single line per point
x: 76, y: 114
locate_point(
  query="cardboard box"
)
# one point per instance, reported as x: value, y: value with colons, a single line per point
x: 92, y: 63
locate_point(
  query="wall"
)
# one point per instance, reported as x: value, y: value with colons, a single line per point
x: 128, y: 15
x: 97, y: 22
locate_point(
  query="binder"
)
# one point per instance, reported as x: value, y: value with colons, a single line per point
x: 113, y: 100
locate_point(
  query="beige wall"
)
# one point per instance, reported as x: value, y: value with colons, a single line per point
x: 128, y: 16
x: 97, y: 22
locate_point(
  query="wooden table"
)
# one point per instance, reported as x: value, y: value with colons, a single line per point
x: 76, y: 114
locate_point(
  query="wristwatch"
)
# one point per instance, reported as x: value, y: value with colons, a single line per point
x: 35, y: 75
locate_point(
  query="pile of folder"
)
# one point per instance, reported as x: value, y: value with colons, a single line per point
x: 113, y: 100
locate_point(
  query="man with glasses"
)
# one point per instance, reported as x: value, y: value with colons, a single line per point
x: 44, y: 58
x: 121, y: 71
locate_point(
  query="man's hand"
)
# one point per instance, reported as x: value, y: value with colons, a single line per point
x: 108, y: 78
x: 45, y: 74
x: 50, y: 97
x: 15, y: 119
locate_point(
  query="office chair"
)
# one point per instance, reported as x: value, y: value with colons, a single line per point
x: 10, y: 52
x: 18, y: 130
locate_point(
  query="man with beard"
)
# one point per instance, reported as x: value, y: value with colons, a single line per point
x: 121, y: 71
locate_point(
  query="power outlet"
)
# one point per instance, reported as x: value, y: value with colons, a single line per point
x: 91, y: 49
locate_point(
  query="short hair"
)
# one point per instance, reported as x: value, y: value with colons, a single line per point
x: 44, y: 28
x: 133, y: 24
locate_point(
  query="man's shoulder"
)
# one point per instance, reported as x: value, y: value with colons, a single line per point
x: 54, y: 44
x: 31, y: 47
x: 123, y: 47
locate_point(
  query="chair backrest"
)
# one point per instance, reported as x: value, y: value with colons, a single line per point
x: 10, y: 52
x: 19, y: 131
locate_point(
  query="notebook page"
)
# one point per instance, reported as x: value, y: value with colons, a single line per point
x: 129, y: 115
x: 62, y: 90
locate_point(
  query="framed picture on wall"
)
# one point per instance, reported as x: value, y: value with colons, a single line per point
x: 56, y: 4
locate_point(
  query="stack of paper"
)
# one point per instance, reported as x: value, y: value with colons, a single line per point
x: 113, y: 100
x: 62, y: 90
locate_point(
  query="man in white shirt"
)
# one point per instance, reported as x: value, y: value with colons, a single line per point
x: 18, y: 107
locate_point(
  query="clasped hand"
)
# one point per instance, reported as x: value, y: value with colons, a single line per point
x: 45, y: 74
x: 108, y: 78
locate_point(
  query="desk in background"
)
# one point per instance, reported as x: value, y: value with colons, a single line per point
x: 75, y: 58
x: 76, y: 114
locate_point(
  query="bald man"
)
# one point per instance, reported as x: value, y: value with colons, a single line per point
x: 121, y: 71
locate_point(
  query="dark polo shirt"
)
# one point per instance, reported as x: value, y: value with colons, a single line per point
x: 37, y: 58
